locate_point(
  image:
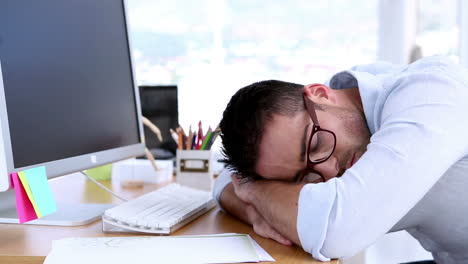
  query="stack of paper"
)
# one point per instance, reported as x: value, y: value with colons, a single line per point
x: 220, y: 248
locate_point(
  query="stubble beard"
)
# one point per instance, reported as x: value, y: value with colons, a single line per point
x: 357, y: 131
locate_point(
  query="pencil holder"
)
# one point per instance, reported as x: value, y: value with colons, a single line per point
x: 194, y: 169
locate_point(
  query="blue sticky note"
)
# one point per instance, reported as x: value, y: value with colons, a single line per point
x: 40, y: 189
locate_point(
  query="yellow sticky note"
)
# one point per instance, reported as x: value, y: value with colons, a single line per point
x: 25, y: 183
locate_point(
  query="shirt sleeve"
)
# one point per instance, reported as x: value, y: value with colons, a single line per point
x: 221, y: 182
x: 422, y: 133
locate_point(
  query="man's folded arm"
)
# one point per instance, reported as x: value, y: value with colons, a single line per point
x: 223, y: 180
x: 227, y: 198
x: 223, y: 192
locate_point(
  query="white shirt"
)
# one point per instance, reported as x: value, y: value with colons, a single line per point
x: 413, y: 175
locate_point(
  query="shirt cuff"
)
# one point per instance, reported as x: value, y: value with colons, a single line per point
x: 221, y: 182
x: 315, y: 205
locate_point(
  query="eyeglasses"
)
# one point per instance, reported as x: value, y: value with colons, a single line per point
x: 321, y: 144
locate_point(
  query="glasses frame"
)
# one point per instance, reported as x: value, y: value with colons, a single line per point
x: 315, y: 128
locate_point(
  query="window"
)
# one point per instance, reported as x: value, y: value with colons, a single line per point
x: 211, y: 48
x: 437, y: 28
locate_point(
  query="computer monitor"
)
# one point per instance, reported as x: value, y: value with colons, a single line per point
x: 68, y: 96
x: 159, y: 105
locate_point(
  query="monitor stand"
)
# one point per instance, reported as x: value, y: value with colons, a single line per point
x: 66, y: 215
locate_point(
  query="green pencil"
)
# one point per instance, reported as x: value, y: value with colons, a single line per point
x: 207, y: 139
x: 212, y: 139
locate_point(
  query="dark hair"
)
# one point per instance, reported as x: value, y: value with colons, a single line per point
x: 245, y: 117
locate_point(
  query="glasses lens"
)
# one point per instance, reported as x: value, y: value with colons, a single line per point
x: 321, y: 146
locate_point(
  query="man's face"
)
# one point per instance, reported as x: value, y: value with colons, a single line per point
x: 284, y: 142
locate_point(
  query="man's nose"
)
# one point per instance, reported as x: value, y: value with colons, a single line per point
x: 329, y: 169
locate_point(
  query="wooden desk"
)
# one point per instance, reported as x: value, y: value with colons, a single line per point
x: 30, y: 243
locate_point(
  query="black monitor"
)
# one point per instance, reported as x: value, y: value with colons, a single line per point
x: 68, y: 99
x: 159, y: 105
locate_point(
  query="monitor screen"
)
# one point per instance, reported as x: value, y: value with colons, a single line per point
x: 67, y: 78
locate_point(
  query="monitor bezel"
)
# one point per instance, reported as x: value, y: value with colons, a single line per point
x: 77, y: 163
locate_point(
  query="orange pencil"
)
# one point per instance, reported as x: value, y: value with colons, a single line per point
x: 188, y: 144
x: 180, y: 142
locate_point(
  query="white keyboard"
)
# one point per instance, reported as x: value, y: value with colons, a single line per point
x: 161, y: 212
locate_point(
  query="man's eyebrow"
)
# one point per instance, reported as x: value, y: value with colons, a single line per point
x: 304, y: 143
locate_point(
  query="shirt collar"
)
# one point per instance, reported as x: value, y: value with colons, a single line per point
x: 369, y: 87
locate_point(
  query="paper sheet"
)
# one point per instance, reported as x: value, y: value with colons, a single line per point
x: 262, y: 254
x: 221, y: 248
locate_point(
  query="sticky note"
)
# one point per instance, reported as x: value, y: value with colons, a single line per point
x: 40, y: 189
x: 23, y: 204
x: 29, y: 194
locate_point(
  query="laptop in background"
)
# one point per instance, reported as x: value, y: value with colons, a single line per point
x: 159, y: 105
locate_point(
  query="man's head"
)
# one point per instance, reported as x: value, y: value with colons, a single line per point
x: 266, y: 128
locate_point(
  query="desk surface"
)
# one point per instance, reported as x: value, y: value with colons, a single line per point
x: 31, y: 243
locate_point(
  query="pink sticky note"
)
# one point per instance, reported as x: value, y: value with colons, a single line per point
x: 24, y: 206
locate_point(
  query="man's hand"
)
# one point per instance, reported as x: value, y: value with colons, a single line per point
x: 247, y: 213
x: 244, y: 189
x: 262, y: 228
x: 275, y: 201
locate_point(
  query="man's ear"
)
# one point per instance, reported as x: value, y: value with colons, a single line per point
x: 320, y: 93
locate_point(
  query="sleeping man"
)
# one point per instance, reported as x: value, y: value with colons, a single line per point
x: 332, y: 167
